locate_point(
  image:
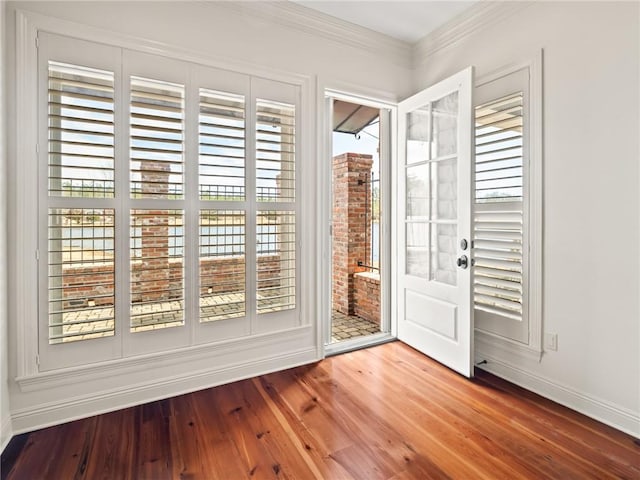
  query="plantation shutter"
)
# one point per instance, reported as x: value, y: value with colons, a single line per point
x: 156, y: 137
x: 275, y: 226
x: 221, y: 146
x: 80, y: 245
x: 498, y: 218
x: 160, y: 229
x: 81, y: 131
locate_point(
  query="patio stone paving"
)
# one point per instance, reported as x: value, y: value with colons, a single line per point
x: 345, y: 327
x: 98, y: 321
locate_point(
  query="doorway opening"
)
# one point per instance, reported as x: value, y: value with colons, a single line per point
x: 357, y: 269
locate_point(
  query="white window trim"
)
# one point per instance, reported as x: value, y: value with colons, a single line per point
x: 534, y: 228
x: 28, y: 24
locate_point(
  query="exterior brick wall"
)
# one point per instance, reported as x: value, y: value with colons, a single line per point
x: 82, y: 279
x: 155, y: 276
x: 351, y: 205
x: 367, y: 296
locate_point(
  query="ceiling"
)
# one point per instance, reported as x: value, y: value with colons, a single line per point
x: 408, y: 21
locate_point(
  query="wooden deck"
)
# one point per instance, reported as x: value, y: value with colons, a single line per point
x: 382, y: 413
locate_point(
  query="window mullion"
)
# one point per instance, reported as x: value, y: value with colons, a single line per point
x: 251, y: 211
x: 123, y: 206
x: 191, y: 207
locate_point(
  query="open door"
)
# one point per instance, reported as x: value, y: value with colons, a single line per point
x: 434, y: 222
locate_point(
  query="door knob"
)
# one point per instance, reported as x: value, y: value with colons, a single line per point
x: 463, y: 261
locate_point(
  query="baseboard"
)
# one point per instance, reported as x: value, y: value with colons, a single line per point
x: 69, y: 409
x: 603, y: 411
x: 6, y: 433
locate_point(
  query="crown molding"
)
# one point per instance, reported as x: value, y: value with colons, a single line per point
x: 476, y: 17
x: 307, y: 20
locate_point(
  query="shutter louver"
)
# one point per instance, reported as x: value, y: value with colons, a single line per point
x: 276, y: 267
x: 275, y: 152
x: 498, y: 217
x: 157, y: 269
x: 81, y: 131
x: 499, y: 150
x: 498, y: 262
x: 157, y: 139
x: 222, y: 146
x: 222, y: 264
x: 81, y: 274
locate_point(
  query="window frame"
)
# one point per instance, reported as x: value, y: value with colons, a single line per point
x: 487, y: 342
x: 30, y: 364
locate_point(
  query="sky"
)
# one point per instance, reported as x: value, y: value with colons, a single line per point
x: 367, y: 144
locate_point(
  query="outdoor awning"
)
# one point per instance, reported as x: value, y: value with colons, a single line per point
x: 352, y: 118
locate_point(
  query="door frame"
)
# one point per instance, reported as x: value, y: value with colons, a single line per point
x: 388, y: 193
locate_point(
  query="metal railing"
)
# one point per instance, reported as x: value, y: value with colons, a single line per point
x: 372, y: 222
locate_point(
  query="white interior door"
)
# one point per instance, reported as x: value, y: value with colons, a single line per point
x: 435, y: 313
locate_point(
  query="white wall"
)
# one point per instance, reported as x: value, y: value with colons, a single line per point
x: 5, y: 418
x: 229, y: 30
x: 591, y: 197
x: 247, y: 36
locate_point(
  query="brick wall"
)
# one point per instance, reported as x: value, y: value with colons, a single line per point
x: 83, y: 279
x: 351, y: 207
x: 367, y: 296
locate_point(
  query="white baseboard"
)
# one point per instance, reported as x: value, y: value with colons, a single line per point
x: 603, y: 411
x: 69, y: 409
x: 6, y: 433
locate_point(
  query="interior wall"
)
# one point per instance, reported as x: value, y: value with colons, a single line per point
x: 226, y: 31
x: 217, y: 32
x: 5, y: 417
x: 591, y: 197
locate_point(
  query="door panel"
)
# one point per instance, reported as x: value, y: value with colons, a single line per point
x: 435, y: 315
x: 434, y: 217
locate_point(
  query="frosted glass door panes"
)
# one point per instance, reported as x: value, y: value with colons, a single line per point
x: 431, y: 190
x: 445, y: 126
x: 418, y: 134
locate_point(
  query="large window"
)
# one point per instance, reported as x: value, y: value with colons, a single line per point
x: 170, y: 200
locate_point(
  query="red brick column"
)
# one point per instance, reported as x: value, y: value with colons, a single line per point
x: 154, y: 271
x: 351, y: 208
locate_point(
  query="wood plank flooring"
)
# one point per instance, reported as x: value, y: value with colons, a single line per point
x: 386, y: 412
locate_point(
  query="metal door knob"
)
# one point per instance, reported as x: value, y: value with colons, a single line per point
x: 463, y: 261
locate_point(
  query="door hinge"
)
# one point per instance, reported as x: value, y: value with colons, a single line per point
x: 37, y: 149
x: 37, y: 43
x: 38, y: 255
x: 331, y: 230
x: 38, y: 360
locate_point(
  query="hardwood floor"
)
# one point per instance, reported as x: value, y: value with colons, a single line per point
x: 382, y: 413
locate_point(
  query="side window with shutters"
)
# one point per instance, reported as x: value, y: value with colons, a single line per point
x: 501, y: 207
